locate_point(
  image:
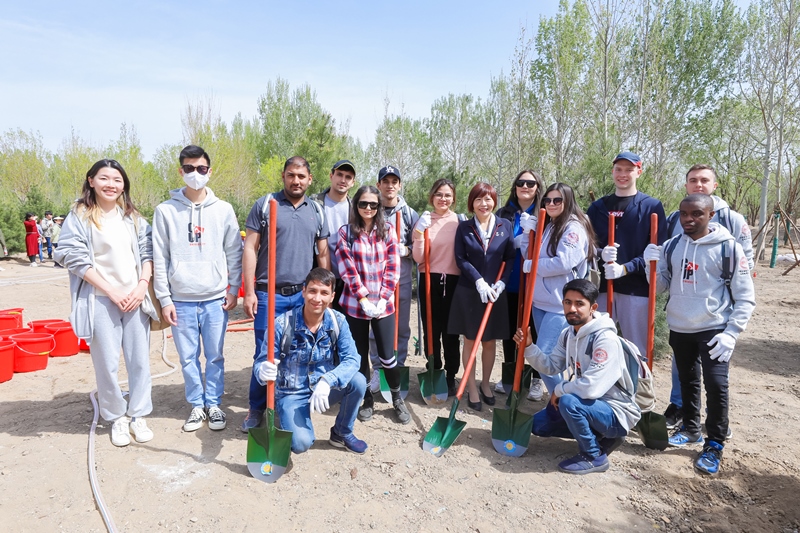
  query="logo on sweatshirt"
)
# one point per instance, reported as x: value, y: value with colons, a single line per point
x: 599, y: 356
x: 689, y: 269
x: 572, y: 239
x: 195, y: 233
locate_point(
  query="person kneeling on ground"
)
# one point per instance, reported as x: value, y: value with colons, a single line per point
x: 591, y: 406
x: 320, y: 367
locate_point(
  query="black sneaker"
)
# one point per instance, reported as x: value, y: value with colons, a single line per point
x: 401, y: 411
x: 451, y: 386
x: 674, y: 416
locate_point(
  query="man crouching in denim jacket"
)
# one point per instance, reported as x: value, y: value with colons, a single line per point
x: 316, y: 367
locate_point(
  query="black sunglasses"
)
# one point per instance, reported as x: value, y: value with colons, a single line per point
x: 530, y: 184
x: 368, y: 205
x: 202, y: 169
x: 555, y: 201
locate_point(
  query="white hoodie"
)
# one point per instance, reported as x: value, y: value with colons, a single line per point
x: 197, y: 249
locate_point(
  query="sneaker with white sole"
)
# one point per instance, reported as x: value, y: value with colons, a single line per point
x: 195, y: 420
x: 253, y: 419
x: 536, y: 391
x: 34, y: 265
x: 216, y: 418
x: 498, y: 387
x: 682, y: 438
x: 140, y: 431
x: 375, y: 381
x: 120, y: 431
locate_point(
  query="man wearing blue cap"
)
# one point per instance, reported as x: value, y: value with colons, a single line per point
x: 624, y: 262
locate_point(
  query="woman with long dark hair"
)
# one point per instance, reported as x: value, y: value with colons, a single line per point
x: 369, y: 265
x: 482, y: 245
x: 442, y: 225
x: 107, y: 248
x: 566, y: 254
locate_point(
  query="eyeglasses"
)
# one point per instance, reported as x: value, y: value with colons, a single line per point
x: 555, y: 201
x: 530, y: 184
x: 372, y: 206
x: 443, y: 196
x: 202, y: 169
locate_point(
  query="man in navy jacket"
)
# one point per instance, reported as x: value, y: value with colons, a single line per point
x: 623, y: 259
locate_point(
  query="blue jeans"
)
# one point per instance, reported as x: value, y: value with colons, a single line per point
x: 49, y: 247
x: 675, y: 392
x: 294, y: 412
x: 206, y: 320
x: 548, y: 327
x: 579, y: 419
x: 258, y: 394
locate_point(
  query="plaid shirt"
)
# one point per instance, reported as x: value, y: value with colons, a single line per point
x: 370, y: 268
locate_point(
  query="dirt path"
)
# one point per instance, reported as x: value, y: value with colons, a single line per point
x: 199, y: 481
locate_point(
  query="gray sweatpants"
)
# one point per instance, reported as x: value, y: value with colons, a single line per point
x: 631, y: 314
x: 113, y: 330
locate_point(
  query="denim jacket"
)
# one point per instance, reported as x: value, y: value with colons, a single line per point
x: 311, y: 356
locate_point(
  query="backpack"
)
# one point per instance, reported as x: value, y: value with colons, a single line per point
x: 723, y: 218
x: 288, y: 335
x: 643, y: 388
x: 728, y: 259
x: 318, y: 210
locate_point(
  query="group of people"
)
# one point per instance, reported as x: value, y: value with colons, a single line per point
x: 41, y: 236
x: 340, y: 262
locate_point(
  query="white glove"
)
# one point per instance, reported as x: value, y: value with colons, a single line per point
x: 319, y: 399
x: 652, y: 253
x: 609, y: 253
x: 485, y: 291
x: 614, y: 271
x: 527, y: 222
x: 369, y: 308
x: 402, y: 249
x: 268, y: 371
x: 724, y: 347
x: 527, y: 266
x: 498, y: 288
x: 424, y: 222
x: 381, y: 307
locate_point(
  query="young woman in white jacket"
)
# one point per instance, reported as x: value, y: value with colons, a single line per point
x: 565, y: 255
x: 107, y: 248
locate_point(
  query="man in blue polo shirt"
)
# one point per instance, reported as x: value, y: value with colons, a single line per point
x: 301, y: 233
x: 624, y: 262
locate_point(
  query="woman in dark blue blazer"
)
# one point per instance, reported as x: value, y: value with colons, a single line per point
x: 482, y: 244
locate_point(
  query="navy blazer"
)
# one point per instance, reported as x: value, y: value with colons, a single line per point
x: 471, y: 259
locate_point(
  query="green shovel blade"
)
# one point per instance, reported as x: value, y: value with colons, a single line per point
x: 269, y: 450
x: 404, y: 380
x: 443, y: 433
x: 511, y: 429
x: 434, y: 391
x: 652, y: 428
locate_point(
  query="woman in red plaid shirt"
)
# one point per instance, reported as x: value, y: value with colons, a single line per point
x: 369, y: 264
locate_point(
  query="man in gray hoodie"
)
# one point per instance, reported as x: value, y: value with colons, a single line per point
x: 711, y: 299
x: 197, y: 254
x: 592, y: 405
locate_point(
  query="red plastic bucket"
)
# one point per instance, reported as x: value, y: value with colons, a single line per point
x: 66, y: 341
x: 7, y: 315
x: 6, y: 360
x: 83, y: 345
x: 38, y: 325
x: 31, y: 351
x: 6, y: 333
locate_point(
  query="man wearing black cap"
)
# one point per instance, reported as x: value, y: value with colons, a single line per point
x: 624, y: 262
x: 337, y: 213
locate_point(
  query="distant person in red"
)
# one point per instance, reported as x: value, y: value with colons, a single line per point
x: 31, y: 238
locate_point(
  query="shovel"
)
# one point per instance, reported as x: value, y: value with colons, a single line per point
x: 511, y: 428
x: 509, y: 369
x: 269, y: 448
x: 446, y: 430
x: 610, y: 282
x: 652, y: 427
x: 403, y: 370
x: 432, y: 383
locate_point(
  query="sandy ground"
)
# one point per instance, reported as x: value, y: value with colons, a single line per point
x: 199, y: 481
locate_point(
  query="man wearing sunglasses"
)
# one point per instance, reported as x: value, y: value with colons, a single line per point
x: 624, y: 261
x: 197, y: 256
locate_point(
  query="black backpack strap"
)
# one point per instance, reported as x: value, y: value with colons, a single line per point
x: 672, y: 223
x: 670, y: 248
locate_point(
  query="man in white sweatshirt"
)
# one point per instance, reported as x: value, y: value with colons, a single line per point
x: 595, y: 405
x: 711, y: 299
x: 197, y: 256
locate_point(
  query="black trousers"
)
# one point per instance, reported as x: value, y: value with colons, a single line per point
x: 338, y: 288
x: 383, y: 328
x: 691, y: 355
x: 443, y: 287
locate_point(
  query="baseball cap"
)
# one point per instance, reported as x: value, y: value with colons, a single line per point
x: 59, y: 217
x: 628, y: 156
x: 346, y: 164
x: 388, y: 171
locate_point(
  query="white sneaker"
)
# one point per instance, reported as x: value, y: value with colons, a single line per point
x: 498, y: 387
x: 140, y: 431
x: 216, y: 418
x: 375, y: 381
x: 34, y: 265
x: 536, y: 391
x: 120, y: 432
x: 195, y: 420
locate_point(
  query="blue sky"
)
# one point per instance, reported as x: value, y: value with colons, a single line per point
x: 90, y: 66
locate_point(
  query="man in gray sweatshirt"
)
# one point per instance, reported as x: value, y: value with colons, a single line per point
x: 197, y: 256
x: 711, y: 299
x: 595, y: 405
